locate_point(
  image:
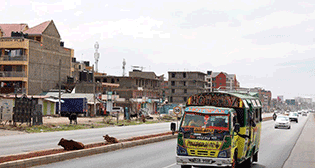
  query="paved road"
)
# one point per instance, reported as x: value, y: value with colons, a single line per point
x: 276, y: 144
x: 13, y: 144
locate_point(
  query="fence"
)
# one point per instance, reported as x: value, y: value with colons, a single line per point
x: 26, y: 110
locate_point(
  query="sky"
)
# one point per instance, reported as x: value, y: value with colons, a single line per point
x: 268, y: 44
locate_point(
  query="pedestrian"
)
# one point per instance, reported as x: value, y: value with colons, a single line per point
x: 274, y: 116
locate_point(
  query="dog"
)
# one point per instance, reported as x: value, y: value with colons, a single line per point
x: 70, y: 144
x: 110, y: 140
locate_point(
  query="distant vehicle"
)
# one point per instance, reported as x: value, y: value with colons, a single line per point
x: 304, y: 114
x: 293, y: 116
x: 73, y: 105
x: 283, y: 122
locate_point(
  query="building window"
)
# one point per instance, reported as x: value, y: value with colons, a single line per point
x: 137, y: 82
x: 184, y: 75
x: 184, y: 83
x: 173, y: 90
x: 173, y: 75
x: 220, y: 78
x: 220, y: 84
x: 214, y: 84
x: 113, y: 80
x: 173, y: 83
x: 105, y: 80
x: 185, y: 90
x: 171, y: 99
x: 185, y: 98
x: 213, y: 79
x: 117, y: 80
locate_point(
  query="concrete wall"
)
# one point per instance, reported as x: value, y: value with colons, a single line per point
x: 44, y: 67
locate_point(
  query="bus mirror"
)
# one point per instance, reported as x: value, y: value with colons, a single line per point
x: 173, y: 127
x: 237, y: 128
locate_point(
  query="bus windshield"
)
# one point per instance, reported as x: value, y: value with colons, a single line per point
x: 205, y: 120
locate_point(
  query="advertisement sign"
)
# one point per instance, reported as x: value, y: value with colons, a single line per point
x: 6, y: 110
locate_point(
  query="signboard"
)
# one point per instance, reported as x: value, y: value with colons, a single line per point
x: 6, y: 109
x: 177, y: 110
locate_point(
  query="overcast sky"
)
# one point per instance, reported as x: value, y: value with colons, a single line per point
x: 268, y: 44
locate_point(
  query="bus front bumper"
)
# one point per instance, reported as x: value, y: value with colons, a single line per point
x: 203, y: 161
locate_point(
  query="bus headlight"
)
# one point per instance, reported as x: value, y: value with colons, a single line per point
x: 222, y: 154
x: 181, y: 151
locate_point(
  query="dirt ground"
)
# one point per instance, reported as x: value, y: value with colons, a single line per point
x: 82, y: 120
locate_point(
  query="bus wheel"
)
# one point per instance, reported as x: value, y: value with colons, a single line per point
x: 185, y: 166
x: 234, y: 164
x: 255, y: 159
x: 249, y: 162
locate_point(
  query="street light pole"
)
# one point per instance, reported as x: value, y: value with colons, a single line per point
x: 94, y: 90
x: 59, y: 110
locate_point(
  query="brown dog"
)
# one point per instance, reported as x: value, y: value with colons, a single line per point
x: 70, y: 144
x: 110, y: 140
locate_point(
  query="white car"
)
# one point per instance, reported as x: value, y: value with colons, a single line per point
x: 283, y: 122
x: 294, y: 116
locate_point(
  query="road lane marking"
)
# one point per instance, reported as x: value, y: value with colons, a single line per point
x: 170, y: 165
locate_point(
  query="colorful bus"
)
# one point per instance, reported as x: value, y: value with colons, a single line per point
x: 219, y: 129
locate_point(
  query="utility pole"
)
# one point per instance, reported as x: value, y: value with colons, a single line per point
x: 59, y: 87
x: 94, y: 91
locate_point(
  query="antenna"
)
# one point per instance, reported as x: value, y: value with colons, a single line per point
x: 124, y: 65
x: 96, y: 55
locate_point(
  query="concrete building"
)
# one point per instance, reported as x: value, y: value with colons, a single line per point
x: 29, y: 58
x: 139, y: 89
x: 265, y: 96
x: 183, y: 84
x: 222, y: 81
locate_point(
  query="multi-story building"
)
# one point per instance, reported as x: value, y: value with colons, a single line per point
x: 208, y: 78
x: 183, y: 84
x: 139, y: 89
x: 222, y: 80
x: 29, y: 58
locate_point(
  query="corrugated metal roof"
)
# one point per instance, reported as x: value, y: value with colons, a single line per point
x: 88, y: 96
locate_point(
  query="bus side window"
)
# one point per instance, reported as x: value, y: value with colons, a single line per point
x: 257, y: 115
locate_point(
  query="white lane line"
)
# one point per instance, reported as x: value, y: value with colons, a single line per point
x: 170, y: 165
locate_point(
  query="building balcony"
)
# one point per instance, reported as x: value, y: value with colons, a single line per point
x: 11, y: 90
x: 13, y: 58
x: 14, y: 43
x: 12, y: 74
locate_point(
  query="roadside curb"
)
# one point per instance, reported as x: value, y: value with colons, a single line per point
x: 36, y: 161
x: 291, y: 160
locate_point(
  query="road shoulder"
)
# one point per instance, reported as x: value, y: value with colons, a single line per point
x: 303, y: 154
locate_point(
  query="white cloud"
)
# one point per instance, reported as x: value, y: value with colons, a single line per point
x: 42, y: 8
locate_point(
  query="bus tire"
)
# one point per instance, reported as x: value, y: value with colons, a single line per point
x: 185, y: 166
x: 255, y: 159
x: 249, y: 162
x: 234, y: 163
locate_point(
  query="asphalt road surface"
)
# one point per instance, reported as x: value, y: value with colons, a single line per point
x: 275, y: 147
x: 14, y: 144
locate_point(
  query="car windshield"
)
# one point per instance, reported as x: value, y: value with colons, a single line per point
x: 205, y: 120
x: 293, y: 114
x: 282, y: 119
